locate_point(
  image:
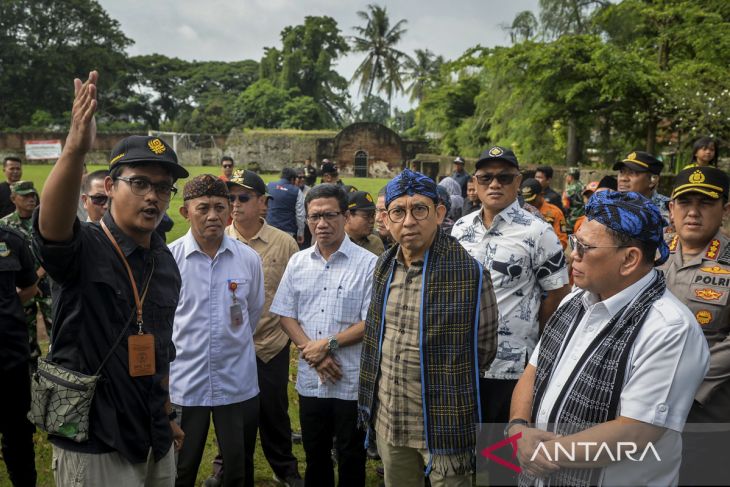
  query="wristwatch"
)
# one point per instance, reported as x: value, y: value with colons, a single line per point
x: 515, y: 422
x: 332, y: 344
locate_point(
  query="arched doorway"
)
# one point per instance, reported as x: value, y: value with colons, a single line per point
x: 361, y: 164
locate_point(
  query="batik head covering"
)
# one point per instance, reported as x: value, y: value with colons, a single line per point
x: 204, y: 185
x: 630, y: 214
x: 409, y: 183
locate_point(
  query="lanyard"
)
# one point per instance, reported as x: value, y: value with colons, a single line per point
x: 137, y: 300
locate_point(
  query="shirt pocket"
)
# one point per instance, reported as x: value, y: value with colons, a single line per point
x: 347, y: 307
x: 243, y: 286
x: 508, y: 269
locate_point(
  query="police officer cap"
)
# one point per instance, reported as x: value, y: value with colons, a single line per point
x: 640, y: 161
x: 707, y: 180
x: 497, y: 153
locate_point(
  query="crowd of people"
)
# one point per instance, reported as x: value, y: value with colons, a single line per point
x: 599, y: 317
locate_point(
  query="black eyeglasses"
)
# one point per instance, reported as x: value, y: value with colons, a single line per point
x: 243, y: 197
x: 418, y: 212
x: 582, y: 248
x: 228, y: 166
x: 142, y: 186
x: 327, y: 216
x: 503, y: 179
x: 98, y: 199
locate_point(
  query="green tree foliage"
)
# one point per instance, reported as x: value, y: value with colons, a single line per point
x: 422, y: 71
x: 304, y: 67
x: 382, y: 63
x: 44, y: 44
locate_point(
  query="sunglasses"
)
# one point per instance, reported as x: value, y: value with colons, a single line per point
x: 242, y: 198
x: 582, y: 248
x: 503, y: 179
x: 99, y: 199
x: 228, y: 166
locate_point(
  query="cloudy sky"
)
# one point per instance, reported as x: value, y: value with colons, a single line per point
x: 229, y: 30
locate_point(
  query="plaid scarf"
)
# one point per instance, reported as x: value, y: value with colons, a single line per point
x: 448, y: 346
x: 592, y: 392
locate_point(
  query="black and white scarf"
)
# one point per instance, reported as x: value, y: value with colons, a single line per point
x: 592, y: 392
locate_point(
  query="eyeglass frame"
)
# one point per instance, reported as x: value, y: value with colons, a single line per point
x: 408, y: 210
x: 328, y: 216
x: 582, y: 248
x: 94, y: 197
x: 481, y: 182
x: 156, y: 186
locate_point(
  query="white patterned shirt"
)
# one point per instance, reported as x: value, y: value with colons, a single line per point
x: 215, y: 362
x: 524, y: 258
x: 326, y: 297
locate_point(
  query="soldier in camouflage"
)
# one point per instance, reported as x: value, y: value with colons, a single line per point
x: 25, y: 197
x: 572, y: 197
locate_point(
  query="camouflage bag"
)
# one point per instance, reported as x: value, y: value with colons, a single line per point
x: 61, y: 401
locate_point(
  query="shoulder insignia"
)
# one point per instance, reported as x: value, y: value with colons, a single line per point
x: 724, y: 257
x: 703, y: 317
x: 673, y: 244
x: 708, y: 294
x: 712, y: 249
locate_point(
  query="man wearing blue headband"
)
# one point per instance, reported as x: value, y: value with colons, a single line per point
x: 618, y: 362
x: 430, y: 328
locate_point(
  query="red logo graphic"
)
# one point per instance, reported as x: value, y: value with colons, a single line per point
x: 512, y: 440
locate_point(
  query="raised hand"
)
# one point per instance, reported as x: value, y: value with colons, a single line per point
x: 82, y: 132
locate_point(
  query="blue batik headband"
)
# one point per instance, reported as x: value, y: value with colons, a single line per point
x: 409, y: 183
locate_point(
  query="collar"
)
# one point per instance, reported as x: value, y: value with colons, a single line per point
x: 508, y: 214
x: 346, y: 248
x: 615, y: 303
x: 124, y: 241
x: 190, y: 245
x: 264, y: 233
x: 711, y: 251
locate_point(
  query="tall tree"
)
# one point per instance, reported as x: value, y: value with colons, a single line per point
x: 382, y: 63
x: 523, y: 28
x: 422, y: 71
x: 560, y: 17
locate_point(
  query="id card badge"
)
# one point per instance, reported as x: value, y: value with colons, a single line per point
x: 141, y: 355
x: 236, y: 315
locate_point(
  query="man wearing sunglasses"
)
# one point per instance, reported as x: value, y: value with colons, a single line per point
x: 227, y: 166
x: 322, y: 300
x: 528, y: 269
x: 131, y: 428
x: 93, y: 196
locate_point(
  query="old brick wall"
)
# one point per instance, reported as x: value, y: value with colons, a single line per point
x: 13, y: 143
x: 379, y: 142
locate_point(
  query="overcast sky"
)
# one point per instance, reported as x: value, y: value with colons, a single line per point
x: 231, y: 30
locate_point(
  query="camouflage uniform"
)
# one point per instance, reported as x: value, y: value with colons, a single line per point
x: 42, y: 300
x: 573, y: 203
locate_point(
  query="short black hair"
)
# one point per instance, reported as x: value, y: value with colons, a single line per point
x: 13, y: 159
x: 92, y: 176
x: 703, y: 142
x: 546, y: 170
x: 327, y: 191
x: 116, y: 171
x: 648, y: 249
x: 382, y: 191
x: 288, y: 173
x: 226, y: 158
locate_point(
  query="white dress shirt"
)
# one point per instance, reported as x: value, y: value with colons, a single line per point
x: 667, y: 363
x: 215, y: 362
x: 524, y: 258
x: 327, y: 297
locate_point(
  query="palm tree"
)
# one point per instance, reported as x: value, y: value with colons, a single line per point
x: 382, y: 63
x: 422, y: 71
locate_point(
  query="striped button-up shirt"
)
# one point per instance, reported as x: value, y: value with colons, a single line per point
x: 327, y: 297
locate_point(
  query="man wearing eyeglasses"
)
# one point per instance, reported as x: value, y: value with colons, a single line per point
x: 322, y: 300
x: 275, y: 247
x: 132, y: 427
x: 93, y: 196
x: 525, y: 260
x: 430, y: 328
x: 227, y: 166
x: 619, y: 361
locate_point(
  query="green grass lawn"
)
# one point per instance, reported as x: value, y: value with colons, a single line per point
x: 263, y: 473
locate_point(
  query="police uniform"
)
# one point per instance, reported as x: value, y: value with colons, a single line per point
x: 363, y: 201
x: 641, y: 161
x: 702, y: 283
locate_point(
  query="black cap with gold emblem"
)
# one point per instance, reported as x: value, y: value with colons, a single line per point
x: 707, y: 180
x: 497, y: 153
x: 640, y: 161
x: 143, y: 149
x: 360, y: 200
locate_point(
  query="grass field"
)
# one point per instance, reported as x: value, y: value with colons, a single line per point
x: 263, y: 473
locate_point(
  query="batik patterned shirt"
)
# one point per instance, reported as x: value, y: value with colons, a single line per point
x: 524, y: 258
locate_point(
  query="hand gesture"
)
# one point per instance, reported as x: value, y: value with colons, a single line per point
x: 314, y: 351
x: 329, y: 370
x: 82, y: 132
x: 540, y: 466
x: 178, y: 436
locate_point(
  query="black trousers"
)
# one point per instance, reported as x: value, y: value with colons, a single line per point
x: 495, y: 396
x: 16, y: 430
x: 235, y: 427
x: 274, y: 422
x: 322, y: 419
